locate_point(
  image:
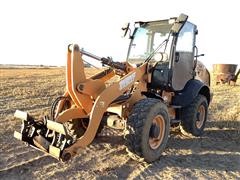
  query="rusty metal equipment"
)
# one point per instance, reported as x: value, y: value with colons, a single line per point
x: 157, y: 87
x: 225, y: 73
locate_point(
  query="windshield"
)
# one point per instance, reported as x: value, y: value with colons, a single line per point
x: 149, y: 38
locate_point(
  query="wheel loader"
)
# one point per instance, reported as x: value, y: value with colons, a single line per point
x: 157, y: 87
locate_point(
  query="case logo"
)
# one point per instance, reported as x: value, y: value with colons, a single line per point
x: 126, y: 81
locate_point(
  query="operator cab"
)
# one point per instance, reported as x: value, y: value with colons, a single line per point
x: 168, y: 45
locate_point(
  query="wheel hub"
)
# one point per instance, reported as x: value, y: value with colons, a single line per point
x: 154, y: 131
x: 200, y: 116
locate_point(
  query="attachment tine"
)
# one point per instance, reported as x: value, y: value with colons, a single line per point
x: 21, y: 115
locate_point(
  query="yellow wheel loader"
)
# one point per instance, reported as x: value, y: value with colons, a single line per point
x: 158, y: 87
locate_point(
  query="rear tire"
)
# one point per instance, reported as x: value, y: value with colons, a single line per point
x: 194, y: 116
x: 148, y: 129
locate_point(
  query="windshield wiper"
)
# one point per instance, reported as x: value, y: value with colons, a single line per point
x: 156, y: 50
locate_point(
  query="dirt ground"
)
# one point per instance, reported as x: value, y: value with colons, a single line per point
x: 215, y: 155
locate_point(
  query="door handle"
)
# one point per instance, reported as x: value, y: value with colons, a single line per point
x: 177, y: 57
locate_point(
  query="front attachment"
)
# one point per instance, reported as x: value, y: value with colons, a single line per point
x: 46, y: 135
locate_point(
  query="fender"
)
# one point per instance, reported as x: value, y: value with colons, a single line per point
x: 190, y: 91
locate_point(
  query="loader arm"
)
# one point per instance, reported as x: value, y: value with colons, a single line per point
x: 83, y: 99
x: 98, y: 101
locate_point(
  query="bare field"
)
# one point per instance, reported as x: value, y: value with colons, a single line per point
x: 214, y: 155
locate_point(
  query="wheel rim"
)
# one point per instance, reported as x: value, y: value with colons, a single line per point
x: 158, y: 122
x: 200, y: 116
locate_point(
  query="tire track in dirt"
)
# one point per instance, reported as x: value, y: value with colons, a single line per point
x: 16, y: 153
x: 25, y: 170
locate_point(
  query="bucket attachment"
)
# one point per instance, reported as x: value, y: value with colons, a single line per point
x: 46, y: 135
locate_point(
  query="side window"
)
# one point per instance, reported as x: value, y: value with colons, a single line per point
x: 186, y: 38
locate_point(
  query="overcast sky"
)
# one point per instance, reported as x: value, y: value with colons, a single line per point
x: 38, y: 32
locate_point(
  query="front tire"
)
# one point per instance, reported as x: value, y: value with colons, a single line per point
x: 148, y: 129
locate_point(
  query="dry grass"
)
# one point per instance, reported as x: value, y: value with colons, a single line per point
x: 226, y: 103
x: 215, y: 155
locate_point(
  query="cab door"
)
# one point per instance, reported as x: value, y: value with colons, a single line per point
x: 183, y: 63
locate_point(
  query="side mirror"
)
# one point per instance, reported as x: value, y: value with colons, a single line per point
x: 125, y: 29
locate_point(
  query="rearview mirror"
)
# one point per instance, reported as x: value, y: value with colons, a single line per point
x: 125, y: 29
